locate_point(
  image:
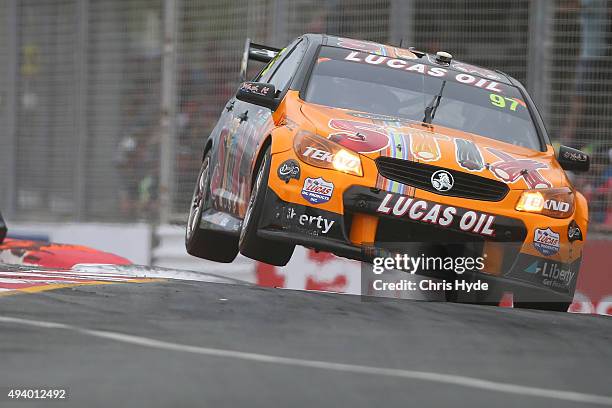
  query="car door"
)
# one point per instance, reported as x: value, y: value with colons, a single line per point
x: 226, y: 126
x: 250, y: 125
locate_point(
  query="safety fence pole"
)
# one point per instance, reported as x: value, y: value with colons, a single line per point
x: 167, y: 182
x: 8, y: 151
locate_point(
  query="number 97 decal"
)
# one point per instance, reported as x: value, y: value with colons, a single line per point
x: 505, y: 102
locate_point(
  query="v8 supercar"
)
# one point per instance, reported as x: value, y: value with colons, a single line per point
x: 344, y: 145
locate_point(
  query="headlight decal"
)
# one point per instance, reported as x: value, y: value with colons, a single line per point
x: 552, y: 202
x: 320, y: 152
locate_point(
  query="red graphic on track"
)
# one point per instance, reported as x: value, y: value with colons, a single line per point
x: 49, y: 255
x: 33, y: 266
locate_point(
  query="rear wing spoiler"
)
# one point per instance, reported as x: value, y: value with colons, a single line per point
x: 256, y: 52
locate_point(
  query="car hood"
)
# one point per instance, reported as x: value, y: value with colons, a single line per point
x: 376, y: 135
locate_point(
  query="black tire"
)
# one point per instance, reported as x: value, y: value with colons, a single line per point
x: 550, y: 306
x: 263, y: 250
x: 205, y: 243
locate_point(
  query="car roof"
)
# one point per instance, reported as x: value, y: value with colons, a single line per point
x: 410, y: 54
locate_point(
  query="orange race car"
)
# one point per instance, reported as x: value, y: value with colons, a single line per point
x: 344, y: 145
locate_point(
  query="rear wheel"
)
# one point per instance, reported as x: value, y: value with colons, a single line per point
x: 205, y: 243
x: 271, y: 252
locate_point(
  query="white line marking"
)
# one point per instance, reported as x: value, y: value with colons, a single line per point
x: 469, y: 382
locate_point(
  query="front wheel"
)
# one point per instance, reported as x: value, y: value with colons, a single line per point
x: 270, y: 252
x: 205, y: 243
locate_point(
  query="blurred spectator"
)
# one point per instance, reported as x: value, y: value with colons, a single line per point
x: 318, y: 22
x: 587, y: 123
x: 136, y: 160
x: 597, y: 184
x: 594, y: 24
x: 137, y: 155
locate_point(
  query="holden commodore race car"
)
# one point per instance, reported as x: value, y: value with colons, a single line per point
x: 341, y: 145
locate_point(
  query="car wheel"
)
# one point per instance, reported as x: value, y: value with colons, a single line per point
x: 205, y: 243
x: 551, y: 306
x: 270, y: 252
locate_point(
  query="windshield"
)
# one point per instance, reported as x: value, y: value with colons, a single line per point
x: 412, y: 90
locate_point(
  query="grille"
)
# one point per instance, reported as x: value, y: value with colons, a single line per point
x: 419, y: 175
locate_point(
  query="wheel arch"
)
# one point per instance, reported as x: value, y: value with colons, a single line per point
x: 267, y: 142
x: 207, y: 146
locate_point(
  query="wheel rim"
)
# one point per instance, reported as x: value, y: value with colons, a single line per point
x: 195, y: 211
x: 249, y: 210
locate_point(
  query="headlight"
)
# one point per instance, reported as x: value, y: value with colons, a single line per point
x: 320, y: 152
x: 553, y: 202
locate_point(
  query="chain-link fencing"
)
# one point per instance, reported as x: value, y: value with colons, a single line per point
x: 95, y: 96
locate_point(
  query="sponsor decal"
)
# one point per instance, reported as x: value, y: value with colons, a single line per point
x: 556, y: 275
x: 551, y: 274
x: 546, y: 241
x: 471, y: 69
x: 357, y: 136
x: 511, y: 169
x: 317, y: 191
x: 289, y: 169
x: 318, y: 154
x: 468, y: 155
x: 424, y: 69
x: 575, y: 156
x: 574, y: 233
x: 311, y: 224
x: 558, y: 206
x: 437, y: 214
x: 442, y: 180
x: 324, y: 155
x: 365, y: 46
x: 404, y: 54
x: 534, y: 268
x: 425, y: 146
x: 382, y: 118
x: 375, y: 48
x: 255, y: 88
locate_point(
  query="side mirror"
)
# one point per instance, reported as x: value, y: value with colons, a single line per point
x: 258, y: 93
x: 573, y: 159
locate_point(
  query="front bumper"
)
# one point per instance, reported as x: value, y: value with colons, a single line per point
x: 358, y: 220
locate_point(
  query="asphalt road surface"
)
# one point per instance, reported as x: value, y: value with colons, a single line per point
x: 182, y: 343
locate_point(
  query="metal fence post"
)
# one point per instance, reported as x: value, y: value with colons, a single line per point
x: 538, y: 84
x: 401, y: 21
x: 167, y: 182
x: 280, y: 29
x: 9, y: 146
x: 81, y: 131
